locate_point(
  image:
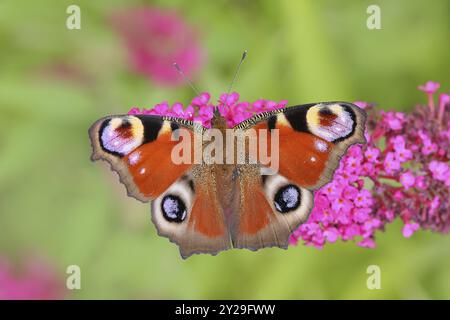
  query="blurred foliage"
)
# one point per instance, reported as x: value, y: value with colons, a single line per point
x: 54, y: 201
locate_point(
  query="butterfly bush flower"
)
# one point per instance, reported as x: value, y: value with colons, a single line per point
x: 343, y: 208
x: 35, y: 280
x: 424, y: 176
x: 155, y: 39
x: 402, y: 172
x: 405, y: 166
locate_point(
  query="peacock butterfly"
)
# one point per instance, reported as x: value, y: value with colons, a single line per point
x: 208, y: 207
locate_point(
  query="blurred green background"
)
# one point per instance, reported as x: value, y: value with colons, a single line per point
x: 55, y: 203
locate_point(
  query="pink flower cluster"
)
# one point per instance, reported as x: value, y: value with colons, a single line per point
x: 414, y: 180
x: 343, y: 208
x: 403, y: 170
x: 201, y: 110
x: 155, y: 39
x: 35, y: 280
x: 236, y: 112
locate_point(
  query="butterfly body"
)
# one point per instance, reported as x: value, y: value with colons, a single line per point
x: 217, y: 204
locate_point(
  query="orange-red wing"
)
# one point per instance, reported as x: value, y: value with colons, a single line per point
x: 139, y: 148
x: 312, y: 138
x: 263, y: 218
x: 189, y: 213
x: 154, y: 171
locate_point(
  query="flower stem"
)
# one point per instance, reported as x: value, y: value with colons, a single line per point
x: 431, y: 103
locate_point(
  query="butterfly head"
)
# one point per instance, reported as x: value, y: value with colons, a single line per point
x: 218, y: 121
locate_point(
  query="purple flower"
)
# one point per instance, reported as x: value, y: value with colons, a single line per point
x: 391, y: 163
x: 430, y: 87
x: 331, y: 234
x: 428, y: 147
x: 402, y: 154
x: 372, y: 154
x: 409, y: 229
x: 440, y: 170
x: 435, y: 203
x: 444, y: 99
x: 363, y: 199
x: 394, y: 120
x: 155, y: 39
x: 407, y: 179
x: 201, y: 100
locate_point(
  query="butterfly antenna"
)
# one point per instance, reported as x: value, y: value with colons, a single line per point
x: 244, y: 55
x: 189, y: 82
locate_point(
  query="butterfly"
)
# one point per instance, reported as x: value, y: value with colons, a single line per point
x: 210, y: 207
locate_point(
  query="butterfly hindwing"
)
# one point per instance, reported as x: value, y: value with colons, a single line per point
x: 270, y: 208
x: 189, y: 213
